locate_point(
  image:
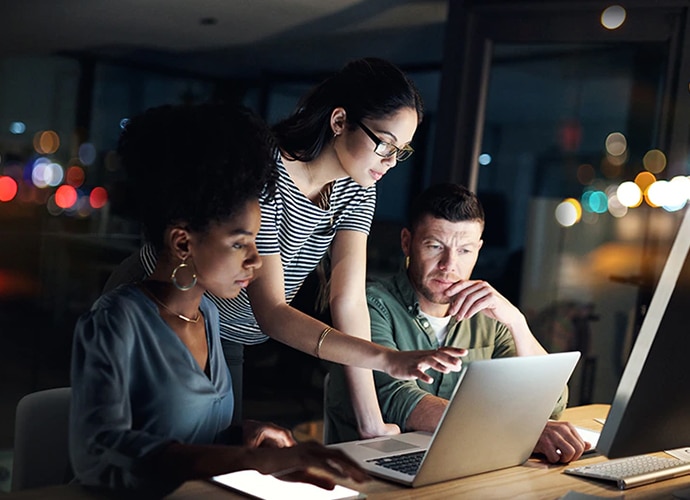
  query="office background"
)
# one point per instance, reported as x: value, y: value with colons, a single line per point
x: 544, y: 111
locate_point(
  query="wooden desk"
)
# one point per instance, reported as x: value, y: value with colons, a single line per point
x: 532, y: 480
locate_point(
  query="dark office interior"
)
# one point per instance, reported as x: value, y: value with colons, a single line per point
x: 535, y: 105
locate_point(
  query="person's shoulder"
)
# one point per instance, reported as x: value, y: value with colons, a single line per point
x: 122, y: 299
x: 381, y: 283
x: 380, y: 290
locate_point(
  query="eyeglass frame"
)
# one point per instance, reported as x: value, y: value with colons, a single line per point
x: 406, y: 150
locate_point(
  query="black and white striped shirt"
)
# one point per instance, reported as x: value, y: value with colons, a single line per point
x: 298, y: 230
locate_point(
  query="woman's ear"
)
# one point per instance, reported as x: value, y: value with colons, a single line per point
x: 178, y: 240
x: 338, y: 121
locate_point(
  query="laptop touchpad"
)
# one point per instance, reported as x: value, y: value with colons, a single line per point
x: 389, y: 445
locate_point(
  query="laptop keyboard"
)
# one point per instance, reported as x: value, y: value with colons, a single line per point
x: 407, y: 463
x: 634, y: 471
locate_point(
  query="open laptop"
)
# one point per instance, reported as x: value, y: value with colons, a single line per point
x: 493, y: 420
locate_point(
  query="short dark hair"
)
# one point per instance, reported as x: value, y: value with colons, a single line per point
x: 195, y: 164
x: 452, y: 202
x: 365, y: 88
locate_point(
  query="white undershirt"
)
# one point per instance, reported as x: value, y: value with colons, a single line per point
x: 439, y: 326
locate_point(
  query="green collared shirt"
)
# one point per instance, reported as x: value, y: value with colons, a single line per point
x: 397, y: 322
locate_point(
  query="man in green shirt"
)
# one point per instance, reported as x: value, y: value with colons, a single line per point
x: 433, y: 303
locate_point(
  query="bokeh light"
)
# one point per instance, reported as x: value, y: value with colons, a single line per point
x: 568, y: 212
x: 46, y: 142
x: 65, y: 196
x: 682, y: 184
x: 629, y: 194
x: 594, y: 201
x: 83, y: 207
x: 98, y: 197
x: 616, y: 208
x: 656, y: 194
x: 75, y: 176
x: 87, y: 153
x: 46, y: 173
x: 676, y: 194
x: 613, y: 17
x: 484, y: 159
x: 52, y: 207
x: 654, y: 161
x: 616, y: 144
x: 17, y: 128
x: 585, y: 174
x: 8, y: 188
x: 644, y: 180
x: 611, y: 166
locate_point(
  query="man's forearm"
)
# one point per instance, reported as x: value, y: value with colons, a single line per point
x: 427, y: 414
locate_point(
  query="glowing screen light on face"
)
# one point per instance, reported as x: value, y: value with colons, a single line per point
x: 8, y: 188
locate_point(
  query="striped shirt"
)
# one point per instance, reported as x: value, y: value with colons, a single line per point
x: 301, y: 233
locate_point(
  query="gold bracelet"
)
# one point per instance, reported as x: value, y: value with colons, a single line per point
x: 322, y: 337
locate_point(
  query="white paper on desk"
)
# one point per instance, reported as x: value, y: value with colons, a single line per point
x: 267, y: 487
x: 682, y: 453
x: 592, y: 437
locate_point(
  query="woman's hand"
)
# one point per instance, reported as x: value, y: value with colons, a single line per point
x: 255, y: 434
x: 407, y: 365
x: 310, y: 462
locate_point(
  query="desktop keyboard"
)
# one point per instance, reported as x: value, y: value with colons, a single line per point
x: 407, y: 463
x: 633, y: 471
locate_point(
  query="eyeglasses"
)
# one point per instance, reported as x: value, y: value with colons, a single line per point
x: 386, y: 149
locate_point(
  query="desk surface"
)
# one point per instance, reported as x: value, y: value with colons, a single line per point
x: 534, y: 479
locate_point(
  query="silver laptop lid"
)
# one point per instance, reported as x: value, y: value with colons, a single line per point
x: 496, y: 415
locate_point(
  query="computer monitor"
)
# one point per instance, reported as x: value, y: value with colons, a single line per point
x: 651, y: 408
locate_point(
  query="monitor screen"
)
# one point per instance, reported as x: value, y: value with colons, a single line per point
x: 651, y: 408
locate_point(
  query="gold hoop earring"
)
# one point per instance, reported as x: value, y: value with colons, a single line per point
x: 173, y: 277
x: 407, y: 261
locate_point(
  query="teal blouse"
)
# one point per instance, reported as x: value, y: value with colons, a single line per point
x: 136, y: 388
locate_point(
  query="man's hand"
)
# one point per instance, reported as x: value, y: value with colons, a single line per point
x: 473, y: 296
x: 255, y: 434
x: 560, y: 442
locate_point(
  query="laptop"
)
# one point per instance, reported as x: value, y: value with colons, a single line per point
x: 494, y: 418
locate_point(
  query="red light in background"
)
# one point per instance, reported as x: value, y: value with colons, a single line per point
x: 8, y: 188
x: 75, y: 176
x: 65, y: 196
x: 98, y: 197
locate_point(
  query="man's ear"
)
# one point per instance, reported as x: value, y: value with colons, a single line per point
x: 338, y: 120
x: 405, y: 241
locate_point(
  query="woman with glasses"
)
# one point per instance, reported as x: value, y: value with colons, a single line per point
x: 346, y: 134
